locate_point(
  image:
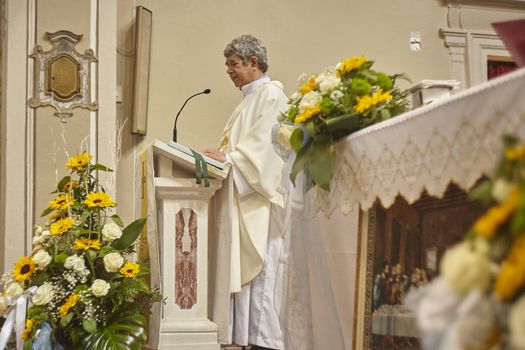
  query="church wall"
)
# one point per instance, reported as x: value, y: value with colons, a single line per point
x: 188, y: 38
x: 306, y: 36
x: 480, y: 17
x: 34, y: 143
x: 54, y: 140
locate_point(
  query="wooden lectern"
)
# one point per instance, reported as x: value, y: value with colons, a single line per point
x: 176, y: 243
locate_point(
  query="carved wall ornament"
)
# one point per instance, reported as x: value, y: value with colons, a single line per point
x: 62, y: 75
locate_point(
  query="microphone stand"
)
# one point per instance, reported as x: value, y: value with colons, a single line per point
x: 207, y: 91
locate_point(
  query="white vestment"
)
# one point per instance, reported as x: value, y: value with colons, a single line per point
x: 245, y: 205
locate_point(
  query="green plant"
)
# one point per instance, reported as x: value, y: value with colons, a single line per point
x: 84, y: 282
x: 333, y: 104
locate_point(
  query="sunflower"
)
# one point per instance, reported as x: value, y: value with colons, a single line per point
x: 61, y: 226
x: 99, y: 200
x: 366, y: 102
x: 24, y: 268
x: 70, y: 302
x: 130, y: 269
x: 62, y: 202
x: 351, y: 64
x: 308, y: 86
x: 515, y: 153
x: 70, y: 185
x: 78, y: 162
x: 86, y: 244
x: 54, y: 216
x: 29, y: 328
x: 307, y: 114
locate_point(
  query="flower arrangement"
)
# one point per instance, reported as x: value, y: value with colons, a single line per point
x: 478, y: 301
x: 331, y: 105
x: 80, y: 279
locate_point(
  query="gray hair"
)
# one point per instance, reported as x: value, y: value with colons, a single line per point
x: 247, y: 46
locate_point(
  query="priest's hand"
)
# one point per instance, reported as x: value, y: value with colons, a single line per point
x: 215, y: 154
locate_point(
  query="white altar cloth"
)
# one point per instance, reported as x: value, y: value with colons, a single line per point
x: 457, y: 139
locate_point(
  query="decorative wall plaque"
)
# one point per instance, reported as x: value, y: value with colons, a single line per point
x: 62, y: 75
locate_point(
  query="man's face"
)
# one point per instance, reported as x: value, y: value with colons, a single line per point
x: 242, y: 73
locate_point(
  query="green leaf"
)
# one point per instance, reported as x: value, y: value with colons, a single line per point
x: 82, y: 231
x: 297, y: 139
x: 299, y: 163
x: 129, y: 234
x: 121, y: 334
x: 517, y: 224
x: 310, y: 128
x: 28, y: 345
x: 482, y: 192
x: 321, y: 164
x: 64, y: 321
x: 117, y: 220
x: 105, y: 251
x: 90, y: 325
x: 99, y: 167
x: 348, y: 122
x: 62, y: 183
x: 92, y: 255
x: 46, y: 212
x: 385, y: 114
x: 39, y: 278
x: 61, y: 258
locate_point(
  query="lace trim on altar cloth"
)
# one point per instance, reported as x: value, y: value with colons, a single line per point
x: 453, y: 140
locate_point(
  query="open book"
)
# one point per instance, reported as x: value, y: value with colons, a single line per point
x: 188, y: 151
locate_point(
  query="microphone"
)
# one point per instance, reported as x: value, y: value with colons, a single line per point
x: 207, y: 91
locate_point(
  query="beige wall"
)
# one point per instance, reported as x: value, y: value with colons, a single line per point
x: 305, y: 36
x: 34, y: 143
x: 188, y: 38
x: 52, y: 138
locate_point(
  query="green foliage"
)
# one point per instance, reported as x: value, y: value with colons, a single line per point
x: 334, y: 104
x: 90, y: 303
x: 126, y: 333
x: 129, y: 234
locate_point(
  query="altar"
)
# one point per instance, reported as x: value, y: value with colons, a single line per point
x: 420, y: 153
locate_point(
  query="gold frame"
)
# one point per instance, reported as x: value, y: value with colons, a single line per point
x: 62, y: 75
x: 378, y: 219
x: 143, y: 27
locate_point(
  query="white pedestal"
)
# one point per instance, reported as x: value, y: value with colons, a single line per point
x: 182, y: 217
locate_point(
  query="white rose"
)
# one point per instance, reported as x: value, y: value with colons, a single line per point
x: 295, y: 96
x: 38, y: 230
x: 310, y: 100
x: 75, y: 262
x: 517, y: 324
x: 84, y: 272
x: 501, y: 189
x: 3, y: 305
x: 113, y: 262
x: 14, y: 290
x: 283, y: 136
x: 36, y: 249
x: 303, y: 78
x: 100, y: 288
x: 466, y: 266
x: 111, y: 231
x: 328, y: 81
x: 41, y: 238
x: 38, y: 239
x: 43, y: 295
x: 41, y: 259
x: 336, y: 95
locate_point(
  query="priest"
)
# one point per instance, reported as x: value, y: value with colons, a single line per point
x: 250, y: 209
